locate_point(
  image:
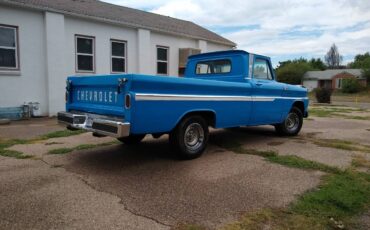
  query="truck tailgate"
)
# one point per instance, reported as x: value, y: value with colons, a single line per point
x: 97, y: 94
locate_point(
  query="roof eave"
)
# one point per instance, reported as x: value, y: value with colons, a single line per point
x: 114, y: 22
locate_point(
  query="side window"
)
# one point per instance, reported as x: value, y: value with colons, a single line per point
x: 118, y: 56
x: 261, y: 70
x: 85, y: 54
x: 213, y: 67
x: 162, y: 60
x: 9, y: 48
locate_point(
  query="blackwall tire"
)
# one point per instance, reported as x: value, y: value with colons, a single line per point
x: 190, y: 137
x: 292, y: 124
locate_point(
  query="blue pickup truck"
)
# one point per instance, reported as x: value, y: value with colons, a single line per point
x: 220, y: 90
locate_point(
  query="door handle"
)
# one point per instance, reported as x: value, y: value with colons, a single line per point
x: 259, y: 84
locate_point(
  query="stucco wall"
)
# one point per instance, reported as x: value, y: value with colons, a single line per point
x: 174, y: 44
x: 216, y: 47
x: 28, y: 84
x: 102, y: 33
x: 47, y: 54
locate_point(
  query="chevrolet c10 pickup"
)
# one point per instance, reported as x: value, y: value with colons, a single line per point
x: 220, y: 89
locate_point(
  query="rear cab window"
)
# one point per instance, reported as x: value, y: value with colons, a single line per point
x: 213, y: 67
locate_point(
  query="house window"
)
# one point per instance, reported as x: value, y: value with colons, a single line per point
x: 9, y: 48
x: 85, y: 54
x: 339, y: 83
x: 162, y: 60
x: 213, y: 67
x: 118, y: 56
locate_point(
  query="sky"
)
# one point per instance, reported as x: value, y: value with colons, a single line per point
x: 283, y: 29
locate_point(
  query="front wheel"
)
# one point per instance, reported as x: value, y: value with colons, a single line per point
x: 189, y: 139
x: 292, y: 123
x: 132, y: 139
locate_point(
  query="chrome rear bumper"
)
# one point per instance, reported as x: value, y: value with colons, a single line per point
x: 104, y: 125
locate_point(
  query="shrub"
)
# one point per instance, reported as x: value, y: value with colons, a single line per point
x: 351, y: 85
x: 323, y: 95
x: 292, y: 73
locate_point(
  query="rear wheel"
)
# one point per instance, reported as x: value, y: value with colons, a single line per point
x: 132, y: 139
x: 189, y: 139
x: 292, y: 124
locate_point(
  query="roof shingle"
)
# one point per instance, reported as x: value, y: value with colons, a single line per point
x: 329, y: 73
x: 125, y: 16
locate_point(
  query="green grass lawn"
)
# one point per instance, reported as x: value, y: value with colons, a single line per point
x: 341, y: 196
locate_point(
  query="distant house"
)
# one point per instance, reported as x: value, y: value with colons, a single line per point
x: 331, y: 78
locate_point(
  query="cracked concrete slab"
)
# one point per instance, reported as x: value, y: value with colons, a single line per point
x: 37, y: 196
x: 209, y: 191
x: 28, y: 129
x: 329, y: 156
x: 264, y: 139
x: 41, y: 148
x: 339, y: 128
x: 144, y: 187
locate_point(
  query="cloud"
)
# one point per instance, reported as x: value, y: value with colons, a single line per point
x: 286, y: 28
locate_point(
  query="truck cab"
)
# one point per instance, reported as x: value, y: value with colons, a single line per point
x: 252, y: 69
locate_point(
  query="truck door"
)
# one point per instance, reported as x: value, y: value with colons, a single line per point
x: 266, y: 93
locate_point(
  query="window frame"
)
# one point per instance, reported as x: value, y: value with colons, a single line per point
x: 161, y: 61
x: 16, y: 48
x: 112, y: 56
x: 339, y: 82
x: 268, y: 69
x: 85, y: 54
x: 214, y: 60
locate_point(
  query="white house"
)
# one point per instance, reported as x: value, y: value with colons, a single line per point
x: 43, y: 41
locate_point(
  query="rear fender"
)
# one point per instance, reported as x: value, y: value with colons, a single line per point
x: 209, y: 115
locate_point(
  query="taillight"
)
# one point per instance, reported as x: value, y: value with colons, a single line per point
x: 127, y: 101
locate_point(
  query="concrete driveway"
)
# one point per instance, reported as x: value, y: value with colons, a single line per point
x: 144, y: 187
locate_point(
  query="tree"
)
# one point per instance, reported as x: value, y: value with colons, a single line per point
x: 317, y: 64
x: 362, y: 61
x: 292, y: 72
x: 333, y: 58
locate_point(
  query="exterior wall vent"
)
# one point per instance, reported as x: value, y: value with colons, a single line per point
x: 184, y: 54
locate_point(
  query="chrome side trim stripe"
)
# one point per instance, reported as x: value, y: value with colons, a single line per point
x: 182, y: 97
x: 185, y: 97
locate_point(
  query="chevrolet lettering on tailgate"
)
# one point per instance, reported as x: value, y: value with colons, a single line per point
x: 220, y: 90
x: 97, y: 96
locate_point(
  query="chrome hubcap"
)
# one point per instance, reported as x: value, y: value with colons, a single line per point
x: 292, y: 121
x: 194, y: 137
